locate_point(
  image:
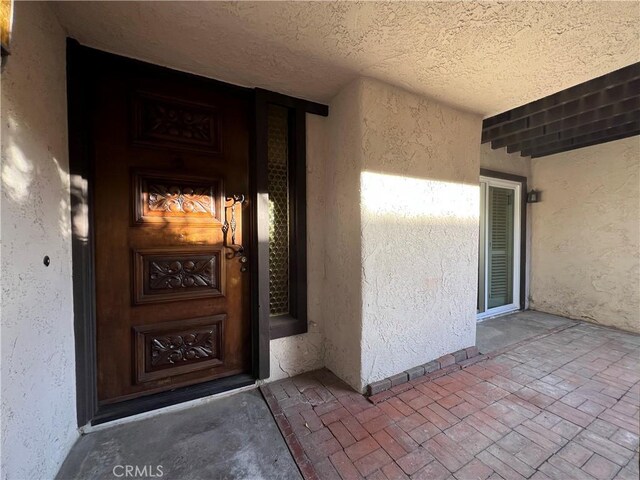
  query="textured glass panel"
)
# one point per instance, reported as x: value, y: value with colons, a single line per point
x: 278, y: 180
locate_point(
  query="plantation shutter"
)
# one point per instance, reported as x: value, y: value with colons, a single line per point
x: 500, y: 261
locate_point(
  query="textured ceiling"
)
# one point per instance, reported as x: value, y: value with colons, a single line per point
x: 483, y: 57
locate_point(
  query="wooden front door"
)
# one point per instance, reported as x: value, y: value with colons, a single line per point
x: 172, y: 288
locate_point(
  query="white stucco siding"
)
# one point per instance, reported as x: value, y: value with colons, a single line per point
x: 500, y: 160
x: 419, y: 211
x: 392, y: 235
x: 38, y: 365
x: 301, y: 353
x: 586, y: 234
x: 342, y: 302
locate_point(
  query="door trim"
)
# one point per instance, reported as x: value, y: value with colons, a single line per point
x: 80, y: 60
x: 296, y: 322
x: 523, y: 227
x: 79, y: 64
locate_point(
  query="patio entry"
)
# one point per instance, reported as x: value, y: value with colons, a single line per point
x: 170, y: 160
x: 501, y: 245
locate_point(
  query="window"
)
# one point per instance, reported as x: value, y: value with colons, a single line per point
x: 287, y: 211
x: 279, y: 211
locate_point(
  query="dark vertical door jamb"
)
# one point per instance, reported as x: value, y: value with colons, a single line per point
x: 82, y: 242
x: 260, y: 240
x: 523, y: 241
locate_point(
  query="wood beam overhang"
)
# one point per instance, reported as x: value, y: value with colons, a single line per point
x: 600, y: 102
x: 618, y: 77
x: 629, y: 106
x: 569, y: 133
x: 593, y: 112
x: 616, y: 133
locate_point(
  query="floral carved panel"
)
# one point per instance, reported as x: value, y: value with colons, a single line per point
x: 171, y: 123
x: 161, y: 198
x: 177, y: 273
x: 178, y: 347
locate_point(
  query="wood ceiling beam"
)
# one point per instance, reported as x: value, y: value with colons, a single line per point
x: 570, y: 133
x: 626, y: 106
x: 603, y: 136
x: 617, y: 77
x: 593, y: 101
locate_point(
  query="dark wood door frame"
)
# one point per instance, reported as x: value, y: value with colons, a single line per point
x: 523, y: 223
x: 296, y: 321
x: 80, y: 60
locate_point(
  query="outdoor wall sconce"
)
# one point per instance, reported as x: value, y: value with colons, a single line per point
x: 6, y: 19
x: 533, y: 196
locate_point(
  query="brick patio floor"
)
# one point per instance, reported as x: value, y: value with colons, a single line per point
x: 564, y: 406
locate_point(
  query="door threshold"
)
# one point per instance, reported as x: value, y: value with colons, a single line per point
x: 164, y: 400
x: 480, y: 318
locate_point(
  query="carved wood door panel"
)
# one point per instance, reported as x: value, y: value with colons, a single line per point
x: 171, y: 294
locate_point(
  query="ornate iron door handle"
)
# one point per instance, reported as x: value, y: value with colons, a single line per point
x: 237, y: 250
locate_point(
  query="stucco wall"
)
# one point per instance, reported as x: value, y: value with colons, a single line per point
x: 392, y: 235
x: 401, y: 231
x: 343, y: 267
x: 501, y: 161
x: 38, y: 369
x: 586, y: 234
x: 301, y: 353
x: 419, y: 211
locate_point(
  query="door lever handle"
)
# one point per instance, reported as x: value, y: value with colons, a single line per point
x: 237, y: 249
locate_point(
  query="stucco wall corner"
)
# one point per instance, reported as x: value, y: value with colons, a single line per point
x: 294, y: 355
x: 500, y: 160
x: 342, y: 304
x: 419, y: 203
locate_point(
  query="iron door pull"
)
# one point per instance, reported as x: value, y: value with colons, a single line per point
x: 237, y: 250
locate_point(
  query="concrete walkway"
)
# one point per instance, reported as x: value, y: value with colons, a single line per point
x: 499, y: 332
x: 229, y: 438
x: 564, y: 406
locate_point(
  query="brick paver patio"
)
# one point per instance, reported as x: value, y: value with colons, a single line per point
x: 564, y: 406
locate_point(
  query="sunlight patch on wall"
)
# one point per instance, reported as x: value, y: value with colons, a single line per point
x: 80, y: 211
x: 17, y: 171
x: 384, y: 194
x: 64, y: 204
x: 419, y: 243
